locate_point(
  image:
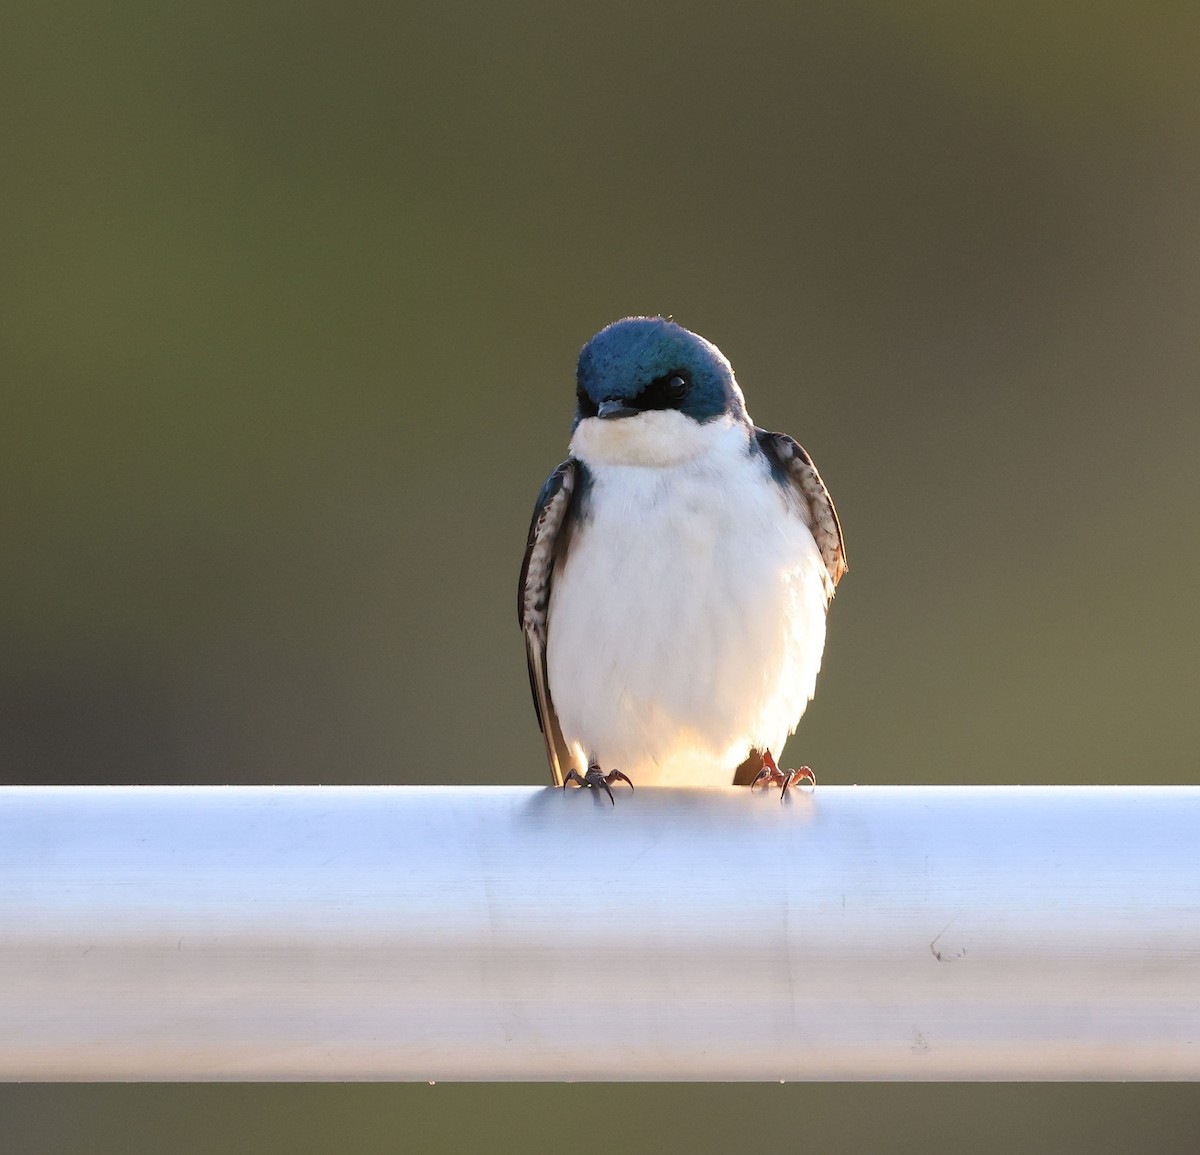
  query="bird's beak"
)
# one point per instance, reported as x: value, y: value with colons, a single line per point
x: 614, y: 407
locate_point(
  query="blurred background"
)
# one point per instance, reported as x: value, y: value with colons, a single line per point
x: 290, y: 301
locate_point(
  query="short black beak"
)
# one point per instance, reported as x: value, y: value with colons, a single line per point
x: 614, y: 407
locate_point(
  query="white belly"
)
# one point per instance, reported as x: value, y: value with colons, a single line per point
x: 687, y: 622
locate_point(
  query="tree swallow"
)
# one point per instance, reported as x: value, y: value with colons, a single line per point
x: 678, y: 570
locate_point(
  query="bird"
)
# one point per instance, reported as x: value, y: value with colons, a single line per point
x: 677, y: 574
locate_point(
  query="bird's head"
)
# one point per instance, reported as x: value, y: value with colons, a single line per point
x: 641, y: 364
x: 645, y: 386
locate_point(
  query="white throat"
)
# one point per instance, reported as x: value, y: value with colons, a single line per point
x: 657, y: 437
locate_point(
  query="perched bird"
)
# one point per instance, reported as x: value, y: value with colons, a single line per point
x: 678, y: 570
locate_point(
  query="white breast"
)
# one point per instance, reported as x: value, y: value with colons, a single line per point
x: 687, y: 622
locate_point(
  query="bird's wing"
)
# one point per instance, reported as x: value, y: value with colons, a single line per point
x: 789, y: 460
x: 549, y: 535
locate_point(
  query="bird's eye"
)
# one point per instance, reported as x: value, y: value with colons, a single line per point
x: 587, y: 407
x: 677, y: 387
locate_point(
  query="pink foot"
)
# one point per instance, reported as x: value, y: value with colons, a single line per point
x: 597, y: 779
x: 771, y: 775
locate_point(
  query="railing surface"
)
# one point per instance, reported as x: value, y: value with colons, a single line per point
x: 523, y: 933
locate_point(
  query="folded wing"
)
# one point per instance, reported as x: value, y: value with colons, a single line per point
x: 549, y: 537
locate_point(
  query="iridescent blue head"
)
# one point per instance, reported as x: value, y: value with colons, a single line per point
x: 646, y: 363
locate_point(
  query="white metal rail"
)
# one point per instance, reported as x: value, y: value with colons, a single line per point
x: 521, y: 933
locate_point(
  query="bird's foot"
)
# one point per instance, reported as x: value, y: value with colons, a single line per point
x: 597, y: 779
x: 771, y: 775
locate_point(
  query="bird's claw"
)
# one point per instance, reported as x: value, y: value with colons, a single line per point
x: 771, y: 775
x: 597, y: 779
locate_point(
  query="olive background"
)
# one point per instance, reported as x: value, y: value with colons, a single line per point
x: 290, y: 300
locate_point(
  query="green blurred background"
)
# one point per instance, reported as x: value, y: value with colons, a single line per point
x: 290, y: 299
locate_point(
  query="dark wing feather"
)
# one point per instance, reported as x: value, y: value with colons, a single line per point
x: 549, y: 534
x: 789, y: 460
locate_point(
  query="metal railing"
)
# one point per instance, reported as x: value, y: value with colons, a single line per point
x: 520, y: 933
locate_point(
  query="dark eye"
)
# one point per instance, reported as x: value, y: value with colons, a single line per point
x: 587, y: 407
x: 677, y: 387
